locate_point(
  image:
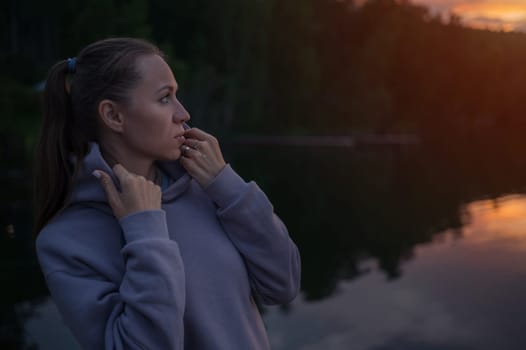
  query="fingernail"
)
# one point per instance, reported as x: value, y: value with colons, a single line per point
x: 96, y: 173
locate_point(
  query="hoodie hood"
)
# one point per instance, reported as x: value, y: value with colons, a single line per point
x: 88, y: 189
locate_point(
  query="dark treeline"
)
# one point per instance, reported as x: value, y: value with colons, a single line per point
x: 297, y: 66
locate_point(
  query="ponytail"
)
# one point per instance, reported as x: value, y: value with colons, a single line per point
x: 53, y: 172
x: 103, y: 70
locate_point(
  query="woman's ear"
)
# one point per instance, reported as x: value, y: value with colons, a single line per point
x: 110, y: 115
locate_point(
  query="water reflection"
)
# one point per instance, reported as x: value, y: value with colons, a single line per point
x: 459, y: 292
x: 45, y: 328
x: 344, y: 206
x: 401, y: 249
x: 499, y: 220
x: 23, y: 287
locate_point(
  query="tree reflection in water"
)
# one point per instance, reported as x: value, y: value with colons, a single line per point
x: 23, y: 288
x: 345, y: 205
x: 341, y: 205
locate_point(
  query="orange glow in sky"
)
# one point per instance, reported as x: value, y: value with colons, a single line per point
x: 507, y: 15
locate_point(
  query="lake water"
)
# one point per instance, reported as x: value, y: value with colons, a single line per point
x: 402, y: 249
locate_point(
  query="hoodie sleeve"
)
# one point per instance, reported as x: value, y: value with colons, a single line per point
x: 248, y: 217
x: 144, y: 310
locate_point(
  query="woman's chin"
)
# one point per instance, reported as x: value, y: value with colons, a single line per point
x: 174, y: 155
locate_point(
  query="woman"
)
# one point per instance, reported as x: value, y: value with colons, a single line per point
x: 147, y: 239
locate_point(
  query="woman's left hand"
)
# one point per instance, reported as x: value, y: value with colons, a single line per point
x: 201, y: 156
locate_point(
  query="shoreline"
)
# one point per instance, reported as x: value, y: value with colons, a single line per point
x: 327, y: 141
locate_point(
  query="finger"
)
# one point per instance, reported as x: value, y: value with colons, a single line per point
x: 207, y: 143
x: 184, y: 149
x: 199, y: 134
x: 109, y: 188
x: 195, y: 144
x: 194, y: 169
x: 122, y: 174
x: 120, y: 170
x: 194, y: 154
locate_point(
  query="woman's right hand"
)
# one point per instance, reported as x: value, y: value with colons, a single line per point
x: 137, y: 193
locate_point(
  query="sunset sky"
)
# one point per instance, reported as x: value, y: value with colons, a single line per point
x: 493, y: 14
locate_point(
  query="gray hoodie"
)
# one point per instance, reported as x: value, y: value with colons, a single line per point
x: 183, y: 277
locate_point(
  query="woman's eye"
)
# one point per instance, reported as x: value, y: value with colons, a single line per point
x: 164, y: 99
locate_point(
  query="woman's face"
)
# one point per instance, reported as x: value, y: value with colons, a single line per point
x: 153, y: 117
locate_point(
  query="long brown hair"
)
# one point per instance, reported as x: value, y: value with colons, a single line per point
x: 103, y: 70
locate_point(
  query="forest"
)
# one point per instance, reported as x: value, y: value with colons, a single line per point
x: 296, y: 67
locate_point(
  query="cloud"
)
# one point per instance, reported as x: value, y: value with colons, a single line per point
x: 491, y: 14
x: 445, y: 5
x: 368, y: 315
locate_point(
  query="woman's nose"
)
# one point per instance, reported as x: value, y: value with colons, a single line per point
x: 180, y: 114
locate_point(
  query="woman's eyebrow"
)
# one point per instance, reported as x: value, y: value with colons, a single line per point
x: 167, y: 86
